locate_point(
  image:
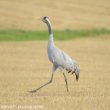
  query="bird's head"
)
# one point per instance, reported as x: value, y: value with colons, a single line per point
x: 45, y: 19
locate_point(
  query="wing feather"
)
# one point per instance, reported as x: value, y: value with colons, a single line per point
x: 62, y: 59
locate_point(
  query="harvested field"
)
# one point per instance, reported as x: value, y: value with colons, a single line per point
x: 25, y: 66
x: 66, y: 14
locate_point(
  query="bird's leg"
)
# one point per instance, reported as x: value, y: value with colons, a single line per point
x: 33, y: 91
x: 66, y: 81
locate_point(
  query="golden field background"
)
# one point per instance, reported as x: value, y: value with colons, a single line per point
x: 64, y: 14
x: 24, y: 66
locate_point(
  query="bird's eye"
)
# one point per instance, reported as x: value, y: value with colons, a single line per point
x: 45, y: 17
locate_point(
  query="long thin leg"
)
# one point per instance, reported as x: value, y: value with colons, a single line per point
x: 33, y: 91
x: 53, y: 71
x: 66, y: 81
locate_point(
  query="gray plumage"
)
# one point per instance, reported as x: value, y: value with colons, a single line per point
x: 60, y: 59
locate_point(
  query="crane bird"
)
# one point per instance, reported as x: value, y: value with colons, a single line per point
x: 60, y: 59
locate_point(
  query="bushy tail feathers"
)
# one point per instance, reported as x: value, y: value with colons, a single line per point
x: 77, y: 71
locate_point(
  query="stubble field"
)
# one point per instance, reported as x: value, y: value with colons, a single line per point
x: 24, y: 66
x: 66, y: 14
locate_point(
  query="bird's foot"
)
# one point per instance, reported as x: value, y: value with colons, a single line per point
x: 33, y: 91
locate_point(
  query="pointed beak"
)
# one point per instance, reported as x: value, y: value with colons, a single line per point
x: 39, y: 19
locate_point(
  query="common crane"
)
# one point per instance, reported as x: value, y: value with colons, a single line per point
x: 59, y: 58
